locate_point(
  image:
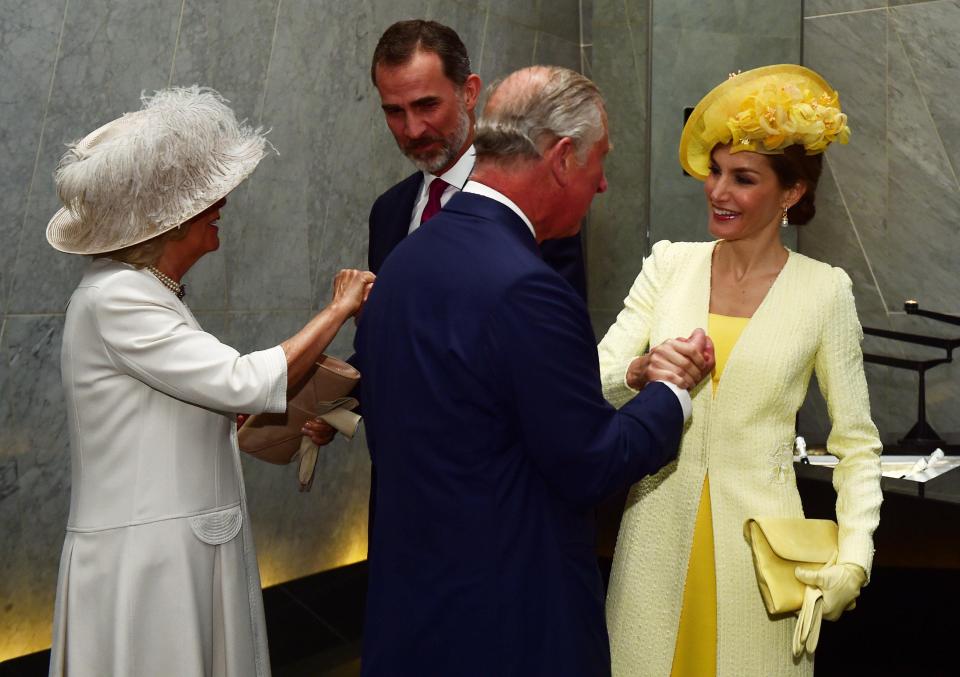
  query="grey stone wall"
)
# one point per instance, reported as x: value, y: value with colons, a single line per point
x: 299, y: 67
x: 888, y: 203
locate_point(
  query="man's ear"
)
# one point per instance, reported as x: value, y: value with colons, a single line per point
x: 562, y: 159
x: 471, y: 91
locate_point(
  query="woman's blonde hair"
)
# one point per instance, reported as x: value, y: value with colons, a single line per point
x: 146, y: 253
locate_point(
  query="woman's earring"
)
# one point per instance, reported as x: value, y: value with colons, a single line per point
x: 784, y: 219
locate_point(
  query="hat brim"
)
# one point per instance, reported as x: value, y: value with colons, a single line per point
x: 67, y: 232
x: 706, y: 127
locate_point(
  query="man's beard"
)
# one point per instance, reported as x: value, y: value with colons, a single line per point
x: 449, y: 146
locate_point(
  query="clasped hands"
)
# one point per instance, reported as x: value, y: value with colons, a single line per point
x: 830, y: 591
x: 684, y: 362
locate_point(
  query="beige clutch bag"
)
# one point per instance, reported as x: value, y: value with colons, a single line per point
x: 780, y: 545
x: 324, y: 394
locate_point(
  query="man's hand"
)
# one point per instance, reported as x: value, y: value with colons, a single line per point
x: 684, y: 362
x: 320, y: 432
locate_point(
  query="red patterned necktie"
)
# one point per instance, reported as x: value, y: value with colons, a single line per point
x: 437, y: 186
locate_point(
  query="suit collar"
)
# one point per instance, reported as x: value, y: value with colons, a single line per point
x: 478, y: 188
x: 480, y: 206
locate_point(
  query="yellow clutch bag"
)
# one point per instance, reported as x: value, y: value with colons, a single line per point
x: 780, y: 545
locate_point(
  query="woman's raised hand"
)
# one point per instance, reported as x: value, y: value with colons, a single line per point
x: 351, y: 288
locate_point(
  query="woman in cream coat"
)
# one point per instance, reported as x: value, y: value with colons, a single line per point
x: 683, y: 596
x: 158, y: 574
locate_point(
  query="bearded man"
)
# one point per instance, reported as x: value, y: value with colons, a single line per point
x: 428, y: 95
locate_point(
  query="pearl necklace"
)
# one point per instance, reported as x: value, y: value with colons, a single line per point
x: 179, y: 290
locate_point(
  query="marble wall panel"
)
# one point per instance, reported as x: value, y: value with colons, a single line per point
x: 36, y: 478
x: 555, y: 51
x: 29, y: 36
x: 288, y: 192
x: 616, y: 232
x: 562, y: 18
x: 507, y: 46
x: 110, y: 52
x: 527, y: 12
x: 781, y: 19
x: 923, y: 196
x: 469, y: 20
x: 849, y: 51
x: 817, y: 8
x: 896, y: 190
x: 934, y: 64
x: 226, y: 46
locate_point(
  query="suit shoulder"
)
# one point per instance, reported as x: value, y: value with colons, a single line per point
x: 398, y: 190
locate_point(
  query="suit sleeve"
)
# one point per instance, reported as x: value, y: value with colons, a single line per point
x: 853, y: 436
x: 149, y: 338
x: 584, y: 447
x: 629, y: 336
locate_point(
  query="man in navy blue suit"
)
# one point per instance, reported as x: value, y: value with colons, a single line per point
x: 485, y: 416
x: 428, y: 94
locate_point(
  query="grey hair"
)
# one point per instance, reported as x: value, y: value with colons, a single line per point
x: 555, y: 103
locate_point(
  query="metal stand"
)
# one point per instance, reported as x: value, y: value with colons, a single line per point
x: 921, y: 436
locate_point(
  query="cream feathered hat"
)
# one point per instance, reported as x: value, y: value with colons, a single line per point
x: 142, y: 174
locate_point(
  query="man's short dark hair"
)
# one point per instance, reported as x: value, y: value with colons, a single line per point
x: 401, y: 41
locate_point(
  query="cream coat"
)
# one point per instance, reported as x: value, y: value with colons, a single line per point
x: 158, y: 574
x: 743, y: 438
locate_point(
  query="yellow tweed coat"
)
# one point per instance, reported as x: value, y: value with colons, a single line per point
x: 743, y: 438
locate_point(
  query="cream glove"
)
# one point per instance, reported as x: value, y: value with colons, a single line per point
x: 807, y: 632
x: 830, y: 591
x: 840, y: 585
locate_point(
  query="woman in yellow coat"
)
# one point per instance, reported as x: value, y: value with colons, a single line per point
x: 683, y: 596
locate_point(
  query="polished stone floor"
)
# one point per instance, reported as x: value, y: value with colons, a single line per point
x: 315, y: 626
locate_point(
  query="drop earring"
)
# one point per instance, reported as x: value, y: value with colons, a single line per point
x: 784, y: 219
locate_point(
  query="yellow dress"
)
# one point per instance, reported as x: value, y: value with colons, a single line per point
x: 695, y: 653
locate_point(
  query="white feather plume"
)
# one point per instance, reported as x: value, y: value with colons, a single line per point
x: 153, y: 169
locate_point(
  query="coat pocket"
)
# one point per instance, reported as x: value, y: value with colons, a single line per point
x: 217, y: 527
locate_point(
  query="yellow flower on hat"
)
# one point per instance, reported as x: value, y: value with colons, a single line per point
x: 764, y: 110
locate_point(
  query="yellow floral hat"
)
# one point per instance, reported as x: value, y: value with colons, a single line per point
x: 763, y: 110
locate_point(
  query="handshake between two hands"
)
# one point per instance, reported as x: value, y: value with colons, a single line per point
x: 684, y: 362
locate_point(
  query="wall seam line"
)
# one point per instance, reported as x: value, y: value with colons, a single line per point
x: 176, y: 44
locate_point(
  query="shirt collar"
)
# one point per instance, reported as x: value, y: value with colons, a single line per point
x: 482, y: 189
x: 457, y: 175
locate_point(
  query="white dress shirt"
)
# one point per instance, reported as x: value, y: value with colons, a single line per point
x: 456, y: 176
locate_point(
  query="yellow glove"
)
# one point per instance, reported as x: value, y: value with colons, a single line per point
x: 839, y: 583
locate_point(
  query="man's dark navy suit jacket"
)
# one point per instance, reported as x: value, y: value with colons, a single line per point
x: 493, y: 443
x: 390, y: 222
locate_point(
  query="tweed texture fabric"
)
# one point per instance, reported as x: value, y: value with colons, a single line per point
x: 742, y: 438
